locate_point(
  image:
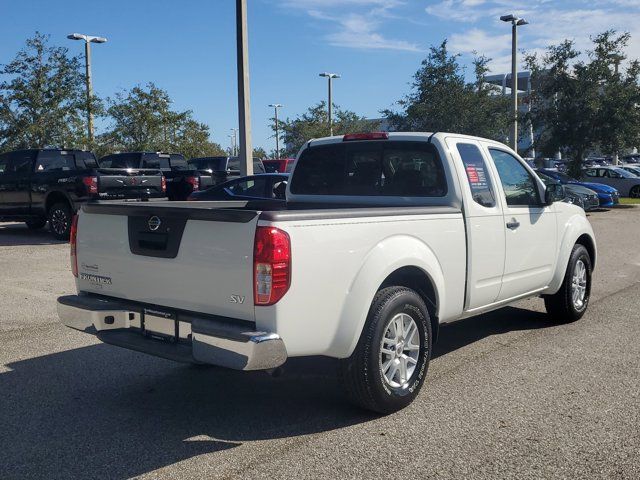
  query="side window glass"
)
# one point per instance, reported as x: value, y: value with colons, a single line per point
x: 477, y: 175
x: 519, y: 186
x: 20, y: 162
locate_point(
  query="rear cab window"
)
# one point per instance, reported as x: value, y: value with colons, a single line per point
x: 55, y: 160
x: 157, y: 161
x: 383, y: 168
x: 120, y: 160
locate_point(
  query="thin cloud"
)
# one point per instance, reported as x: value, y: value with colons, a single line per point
x: 359, y: 24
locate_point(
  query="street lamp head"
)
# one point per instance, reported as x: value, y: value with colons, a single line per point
x: 75, y: 36
x: 508, y: 18
x: 98, y: 40
x: 276, y: 105
x: 329, y: 75
x: 522, y: 21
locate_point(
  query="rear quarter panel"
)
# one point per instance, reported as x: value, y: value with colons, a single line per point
x: 338, y: 266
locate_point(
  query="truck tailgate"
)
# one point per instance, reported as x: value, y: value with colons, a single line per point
x: 129, y: 183
x: 192, y: 257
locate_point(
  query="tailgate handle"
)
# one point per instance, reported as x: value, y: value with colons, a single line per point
x: 152, y: 241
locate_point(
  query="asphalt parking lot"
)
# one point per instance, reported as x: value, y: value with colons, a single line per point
x: 508, y: 395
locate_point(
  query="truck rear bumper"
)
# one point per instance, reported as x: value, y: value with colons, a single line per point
x: 207, y: 341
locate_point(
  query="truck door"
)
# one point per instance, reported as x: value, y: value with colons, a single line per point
x: 484, y: 223
x: 529, y: 227
x: 15, y: 183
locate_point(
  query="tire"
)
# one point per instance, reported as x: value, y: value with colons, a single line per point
x: 60, y: 217
x: 635, y: 192
x: 368, y: 376
x: 36, y: 223
x: 563, y: 306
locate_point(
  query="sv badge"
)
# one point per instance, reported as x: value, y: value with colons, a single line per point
x: 236, y: 299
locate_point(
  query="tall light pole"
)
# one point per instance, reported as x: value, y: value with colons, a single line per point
x: 330, y: 76
x: 234, y: 141
x: 244, y: 110
x: 275, y: 107
x: 88, y: 40
x: 515, y: 23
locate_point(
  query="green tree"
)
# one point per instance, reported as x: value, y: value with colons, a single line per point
x: 259, y: 152
x: 143, y: 120
x: 581, y: 103
x: 314, y: 124
x: 442, y: 100
x: 42, y: 98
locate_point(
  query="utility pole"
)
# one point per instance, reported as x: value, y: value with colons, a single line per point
x: 244, y: 110
x: 275, y: 108
x: 88, y: 40
x: 234, y: 141
x: 330, y: 76
x: 515, y: 23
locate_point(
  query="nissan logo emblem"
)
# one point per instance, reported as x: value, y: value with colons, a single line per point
x: 154, y: 223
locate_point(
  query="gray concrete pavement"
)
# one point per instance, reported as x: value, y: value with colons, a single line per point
x: 508, y: 395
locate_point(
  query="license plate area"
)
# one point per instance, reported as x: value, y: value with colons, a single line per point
x: 166, y: 327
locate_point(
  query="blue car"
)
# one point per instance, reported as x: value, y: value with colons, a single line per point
x: 608, y: 196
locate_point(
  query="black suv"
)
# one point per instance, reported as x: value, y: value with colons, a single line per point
x: 43, y: 185
x: 182, y: 178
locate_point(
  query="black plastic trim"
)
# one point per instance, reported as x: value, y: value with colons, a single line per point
x: 211, y: 211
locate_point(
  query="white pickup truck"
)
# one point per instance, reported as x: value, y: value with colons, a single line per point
x: 383, y: 237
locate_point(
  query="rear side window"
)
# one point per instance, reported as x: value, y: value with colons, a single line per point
x: 398, y: 169
x: 55, y: 160
x: 477, y: 175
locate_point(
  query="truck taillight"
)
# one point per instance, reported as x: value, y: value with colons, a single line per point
x: 91, y: 183
x: 73, y: 240
x: 195, y: 183
x: 163, y: 184
x: 271, y: 265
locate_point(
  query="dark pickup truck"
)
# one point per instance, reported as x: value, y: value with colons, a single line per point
x: 215, y: 170
x: 43, y: 185
x: 182, y: 179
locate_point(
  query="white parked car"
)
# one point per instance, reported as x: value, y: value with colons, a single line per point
x: 383, y: 238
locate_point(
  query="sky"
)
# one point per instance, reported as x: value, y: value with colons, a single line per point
x: 187, y: 47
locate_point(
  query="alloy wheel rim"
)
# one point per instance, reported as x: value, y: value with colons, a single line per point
x: 59, y: 221
x: 399, y: 350
x: 579, y: 285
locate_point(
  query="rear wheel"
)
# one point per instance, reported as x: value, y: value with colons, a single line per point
x: 36, y: 223
x: 389, y: 365
x: 572, y: 300
x: 60, y: 217
x: 635, y: 192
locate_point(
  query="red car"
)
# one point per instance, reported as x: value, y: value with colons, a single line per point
x: 278, y: 165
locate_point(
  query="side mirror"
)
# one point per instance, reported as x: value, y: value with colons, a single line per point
x: 554, y: 193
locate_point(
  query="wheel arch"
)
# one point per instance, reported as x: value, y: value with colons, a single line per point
x: 577, y: 231
x: 400, y: 260
x: 56, y: 196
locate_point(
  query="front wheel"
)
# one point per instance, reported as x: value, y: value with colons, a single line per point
x: 388, y: 367
x: 60, y: 217
x: 572, y: 300
x: 635, y: 192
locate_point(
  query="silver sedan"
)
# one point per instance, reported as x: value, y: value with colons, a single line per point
x: 625, y: 182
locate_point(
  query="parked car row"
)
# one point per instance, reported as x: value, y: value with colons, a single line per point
x: 40, y: 186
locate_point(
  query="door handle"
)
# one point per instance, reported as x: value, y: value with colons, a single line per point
x: 513, y: 224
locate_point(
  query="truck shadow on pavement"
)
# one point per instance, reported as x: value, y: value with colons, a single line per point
x: 104, y: 412
x: 18, y: 234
